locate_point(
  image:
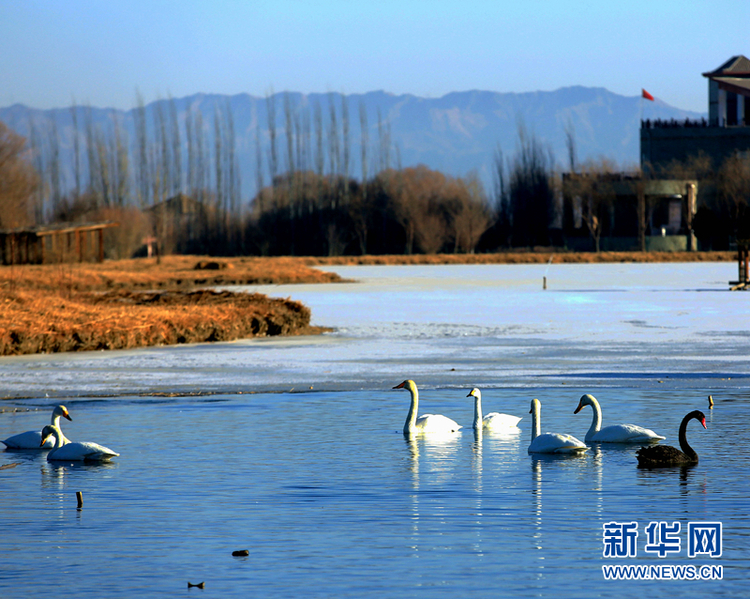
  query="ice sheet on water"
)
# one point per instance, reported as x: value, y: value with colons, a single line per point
x: 445, y: 325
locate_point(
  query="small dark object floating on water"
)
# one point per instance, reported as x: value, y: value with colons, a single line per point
x: 200, y: 585
x: 241, y: 553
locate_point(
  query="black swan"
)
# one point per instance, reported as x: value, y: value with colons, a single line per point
x: 660, y: 456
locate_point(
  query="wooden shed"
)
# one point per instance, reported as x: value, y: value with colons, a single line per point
x: 64, y: 242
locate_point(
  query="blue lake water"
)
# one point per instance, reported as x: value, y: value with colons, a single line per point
x: 292, y: 448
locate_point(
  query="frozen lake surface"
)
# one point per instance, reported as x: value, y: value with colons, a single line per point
x: 449, y: 326
x: 291, y: 448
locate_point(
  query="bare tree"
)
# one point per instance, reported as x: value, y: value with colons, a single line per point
x: 273, y: 161
x: 142, y: 174
x: 570, y: 145
x: 201, y: 156
x: 55, y: 174
x: 345, y: 142
x: 319, y: 154
x: 592, y: 189
x: 503, y: 215
x: 122, y: 187
x: 18, y: 180
x: 334, y: 155
x: 190, y: 141
x: 176, y: 150
x: 289, y: 133
x: 384, y: 143
x: 531, y: 190
x: 469, y: 215
x: 94, y: 186
x: 76, y: 149
x: 233, y: 173
x: 734, y: 191
x: 218, y: 166
x: 364, y: 143
x: 259, y: 168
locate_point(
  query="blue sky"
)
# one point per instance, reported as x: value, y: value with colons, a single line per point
x: 102, y: 53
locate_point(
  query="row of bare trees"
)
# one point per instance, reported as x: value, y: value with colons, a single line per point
x: 312, y: 204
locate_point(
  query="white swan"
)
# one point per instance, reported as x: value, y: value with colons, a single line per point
x: 75, y: 451
x: 493, y: 420
x: 427, y: 423
x: 616, y: 433
x: 33, y: 439
x: 550, y: 442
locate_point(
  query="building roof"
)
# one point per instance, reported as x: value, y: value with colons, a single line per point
x: 179, y: 204
x: 59, y: 228
x: 733, y: 75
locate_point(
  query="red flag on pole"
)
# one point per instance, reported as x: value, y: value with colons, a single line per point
x: 646, y: 95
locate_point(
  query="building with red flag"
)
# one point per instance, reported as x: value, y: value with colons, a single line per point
x: 724, y: 133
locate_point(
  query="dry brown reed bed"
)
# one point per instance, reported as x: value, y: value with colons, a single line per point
x: 172, y: 272
x: 536, y: 256
x: 138, y: 303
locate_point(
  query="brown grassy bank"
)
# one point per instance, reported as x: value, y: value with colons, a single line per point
x: 138, y: 303
x: 536, y: 256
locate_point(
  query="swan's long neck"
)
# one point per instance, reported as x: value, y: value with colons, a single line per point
x: 56, y: 423
x: 684, y: 445
x: 57, y: 436
x: 536, y: 425
x: 596, y: 419
x: 477, y: 411
x: 411, y: 417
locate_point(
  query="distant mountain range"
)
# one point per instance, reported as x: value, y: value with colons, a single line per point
x: 456, y: 134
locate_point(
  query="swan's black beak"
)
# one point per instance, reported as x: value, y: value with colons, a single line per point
x: 400, y: 386
x: 66, y: 415
x: 578, y: 409
x: 43, y: 442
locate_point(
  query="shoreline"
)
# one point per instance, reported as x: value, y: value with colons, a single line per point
x: 136, y: 303
x: 531, y: 256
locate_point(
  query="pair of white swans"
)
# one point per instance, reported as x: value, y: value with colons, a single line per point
x: 33, y: 439
x: 62, y: 449
x: 561, y: 443
x: 437, y: 423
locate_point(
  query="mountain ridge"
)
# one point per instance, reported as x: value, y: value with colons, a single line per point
x: 457, y: 133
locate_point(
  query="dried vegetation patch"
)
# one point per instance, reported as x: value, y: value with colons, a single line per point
x: 536, y: 256
x: 137, y: 303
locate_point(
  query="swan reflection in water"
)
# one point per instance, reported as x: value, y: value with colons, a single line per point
x: 553, y: 471
x: 431, y: 460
